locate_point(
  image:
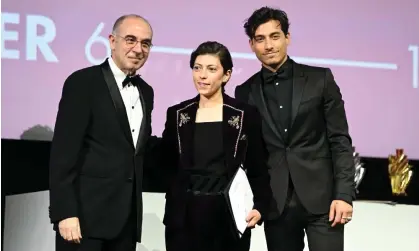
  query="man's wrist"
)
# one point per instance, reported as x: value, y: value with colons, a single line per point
x: 344, y: 197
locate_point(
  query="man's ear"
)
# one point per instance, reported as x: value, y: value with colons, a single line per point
x: 288, y: 38
x: 251, y: 44
x: 111, y: 39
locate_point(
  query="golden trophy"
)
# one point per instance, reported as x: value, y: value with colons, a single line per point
x: 400, y: 172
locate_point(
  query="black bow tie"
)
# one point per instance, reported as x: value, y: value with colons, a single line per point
x: 270, y: 77
x: 130, y: 80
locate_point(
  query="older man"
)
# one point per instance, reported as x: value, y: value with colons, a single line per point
x: 102, y: 126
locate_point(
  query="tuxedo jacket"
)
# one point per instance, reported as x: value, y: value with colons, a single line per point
x: 317, y: 154
x: 93, y: 162
x: 242, y: 143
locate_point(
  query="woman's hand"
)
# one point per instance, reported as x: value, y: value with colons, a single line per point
x: 253, y: 218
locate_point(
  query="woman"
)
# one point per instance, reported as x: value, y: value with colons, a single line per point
x: 206, y: 139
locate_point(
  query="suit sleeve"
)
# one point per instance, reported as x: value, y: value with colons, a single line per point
x: 70, y: 128
x: 152, y: 140
x: 169, y: 144
x: 256, y: 164
x: 339, y: 140
x: 239, y: 95
x: 162, y: 158
x: 151, y: 179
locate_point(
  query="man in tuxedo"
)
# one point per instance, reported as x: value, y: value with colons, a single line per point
x: 101, y: 133
x: 306, y: 134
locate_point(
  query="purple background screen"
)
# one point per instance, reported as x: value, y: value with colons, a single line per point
x: 371, y: 47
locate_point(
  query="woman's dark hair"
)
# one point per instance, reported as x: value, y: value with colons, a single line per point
x: 213, y: 48
x: 264, y: 15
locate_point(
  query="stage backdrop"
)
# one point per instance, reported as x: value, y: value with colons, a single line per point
x: 371, y: 46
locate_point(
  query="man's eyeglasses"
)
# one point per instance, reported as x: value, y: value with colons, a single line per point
x: 132, y: 41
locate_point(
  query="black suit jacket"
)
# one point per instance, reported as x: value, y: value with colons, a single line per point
x: 93, y: 163
x: 243, y: 145
x: 318, y: 153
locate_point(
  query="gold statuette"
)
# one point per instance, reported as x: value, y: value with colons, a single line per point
x: 400, y: 172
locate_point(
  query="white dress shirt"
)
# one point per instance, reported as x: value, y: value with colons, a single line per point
x: 131, y: 97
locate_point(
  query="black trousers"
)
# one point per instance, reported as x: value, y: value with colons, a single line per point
x: 125, y: 241
x: 187, y: 240
x: 287, y: 232
x: 208, y: 226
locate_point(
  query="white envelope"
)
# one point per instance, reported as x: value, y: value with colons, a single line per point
x: 240, y: 197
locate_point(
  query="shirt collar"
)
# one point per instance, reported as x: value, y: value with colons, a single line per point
x: 285, y: 70
x: 118, y: 73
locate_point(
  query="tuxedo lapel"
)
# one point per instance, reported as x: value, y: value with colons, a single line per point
x: 259, y: 99
x: 299, y: 82
x: 144, y: 120
x: 117, y: 101
x: 185, y: 120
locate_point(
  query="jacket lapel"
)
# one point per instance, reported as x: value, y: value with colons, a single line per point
x: 259, y: 100
x: 144, y: 121
x: 234, y: 138
x: 299, y: 82
x: 185, y: 120
x: 232, y: 126
x: 232, y: 129
x: 117, y: 101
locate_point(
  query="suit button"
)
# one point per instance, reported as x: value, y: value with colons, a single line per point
x: 130, y: 179
x: 288, y: 149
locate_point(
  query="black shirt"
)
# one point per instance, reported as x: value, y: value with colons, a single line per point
x: 277, y: 89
